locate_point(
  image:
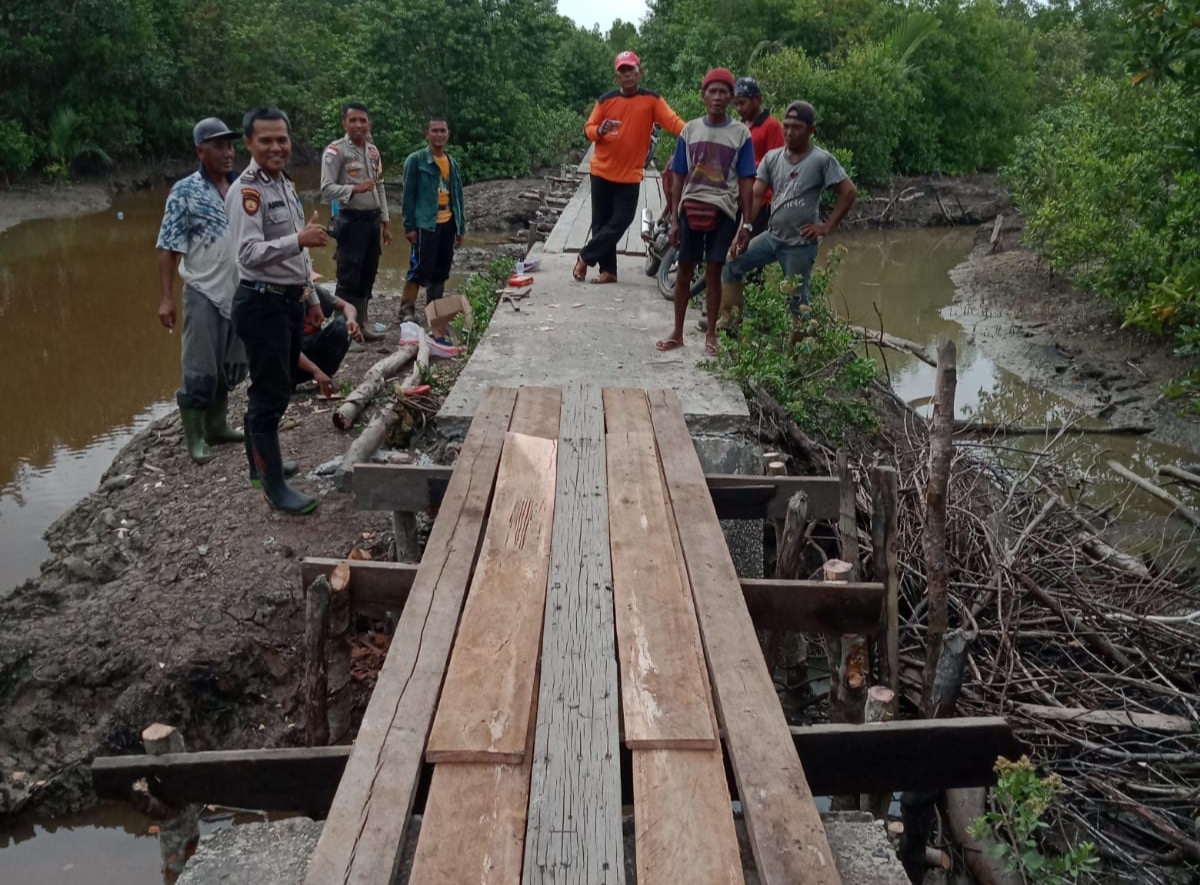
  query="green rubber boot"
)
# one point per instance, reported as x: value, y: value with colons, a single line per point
x: 216, y: 423
x: 193, y: 434
x: 289, y: 467
x: 270, y: 469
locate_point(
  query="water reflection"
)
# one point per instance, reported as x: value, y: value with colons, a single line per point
x: 902, y: 277
x: 110, y: 843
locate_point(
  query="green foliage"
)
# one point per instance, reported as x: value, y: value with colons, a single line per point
x: 818, y: 378
x: 1162, y: 41
x: 1020, y: 804
x: 66, y: 143
x: 480, y: 290
x: 1110, y: 187
x: 862, y: 104
x: 16, y: 148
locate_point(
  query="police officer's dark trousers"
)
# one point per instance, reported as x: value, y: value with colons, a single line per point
x: 357, y: 256
x: 270, y: 323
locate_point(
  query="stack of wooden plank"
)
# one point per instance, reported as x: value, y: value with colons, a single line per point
x: 583, y: 525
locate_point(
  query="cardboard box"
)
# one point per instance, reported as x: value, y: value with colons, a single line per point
x: 441, y: 312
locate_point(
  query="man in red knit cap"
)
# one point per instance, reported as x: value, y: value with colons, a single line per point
x: 714, y: 179
x: 620, y: 125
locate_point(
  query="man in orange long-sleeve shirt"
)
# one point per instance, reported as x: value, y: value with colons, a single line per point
x: 620, y: 125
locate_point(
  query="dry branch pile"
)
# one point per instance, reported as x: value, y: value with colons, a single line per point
x: 1092, y: 656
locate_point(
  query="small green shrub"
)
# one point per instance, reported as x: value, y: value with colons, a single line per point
x: 819, y: 379
x: 1021, y: 802
x: 16, y: 149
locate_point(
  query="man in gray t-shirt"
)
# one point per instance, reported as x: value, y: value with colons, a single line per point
x: 796, y: 173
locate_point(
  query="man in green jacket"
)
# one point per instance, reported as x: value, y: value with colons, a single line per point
x: 434, y: 221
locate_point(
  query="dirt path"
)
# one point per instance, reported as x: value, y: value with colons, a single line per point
x: 22, y: 204
x: 1039, y: 327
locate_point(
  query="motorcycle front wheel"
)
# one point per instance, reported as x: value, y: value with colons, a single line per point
x: 666, y: 277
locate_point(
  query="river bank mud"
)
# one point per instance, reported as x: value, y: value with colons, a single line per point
x: 1070, y: 343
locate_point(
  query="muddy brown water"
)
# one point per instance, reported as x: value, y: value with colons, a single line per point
x: 88, y: 366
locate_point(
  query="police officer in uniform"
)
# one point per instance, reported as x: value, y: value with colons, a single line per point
x: 274, y: 294
x: 351, y: 173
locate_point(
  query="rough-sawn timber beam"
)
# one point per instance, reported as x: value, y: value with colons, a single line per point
x: 878, y: 758
x: 799, y: 606
x: 416, y: 487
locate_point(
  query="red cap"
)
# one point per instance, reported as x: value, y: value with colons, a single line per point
x: 718, y: 75
x: 628, y: 57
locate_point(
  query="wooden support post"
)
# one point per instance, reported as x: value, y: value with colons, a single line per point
x: 885, y: 483
x: 179, y: 832
x: 880, y: 707
x: 771, y: 638
x: 337, y: 657
x: 789, y: 565
x: 848, y: 673
x: 404, y: 532
x: 937, y: 567
x: 316, y: 683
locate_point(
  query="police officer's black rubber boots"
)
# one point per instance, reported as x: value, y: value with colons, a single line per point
x: 269, y: 462
x: 193, y: 433
x: 289, y: 467
x: 216, y: 423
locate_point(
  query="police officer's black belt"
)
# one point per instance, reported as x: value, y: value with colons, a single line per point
x: 359, y: 213
x: 297, y: 292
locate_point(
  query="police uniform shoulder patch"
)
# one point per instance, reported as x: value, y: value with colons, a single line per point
x: 251, y: 200
x: 247, y: 175
x: 372, y: 152
x: 331, y: 153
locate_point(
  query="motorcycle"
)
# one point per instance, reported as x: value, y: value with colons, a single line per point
x: 661, y: 258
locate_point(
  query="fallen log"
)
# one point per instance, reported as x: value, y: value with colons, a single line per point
x: 1114, y: 718
x: 376, y: 432
x: 894, y: 342
x: 1002, y: 429
x: 1095, y: 546
x: 373, y: 382
x: 1150, y: 488
x: 1184, y: 476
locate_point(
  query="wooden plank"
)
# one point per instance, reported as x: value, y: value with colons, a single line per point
x: 580, y: 208
x: 581, y: 227
x: 683, y: 820
x: 557, y: 240
x: 574, y: 829
x: 923, y: 754
x: 786, y: 834
x: 483, y: 714
x: 473, y: 829
x: 1111, y: 718
x: 813, y: 606
x: 802, y: 606
x: 537, y: 412
x: 410, y: 488
x: 736, y: 496
x: 374, y: 585
x: 765, y: 497
x: 299, y: 779
x: 664, y: 697
x: 625, y: 410
x: 916, y: 754
x: 362, y: 839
